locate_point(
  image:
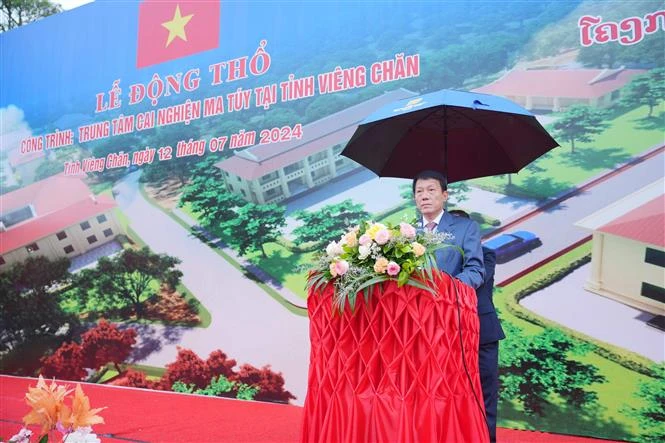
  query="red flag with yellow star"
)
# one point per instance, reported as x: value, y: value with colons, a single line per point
x: 174, y: 29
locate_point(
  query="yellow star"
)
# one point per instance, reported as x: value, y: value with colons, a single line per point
x: 177, y: 25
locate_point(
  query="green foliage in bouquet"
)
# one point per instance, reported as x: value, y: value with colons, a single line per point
x: 373, y: 253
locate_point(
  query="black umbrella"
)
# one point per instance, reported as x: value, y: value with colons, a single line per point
x: 462, y: 134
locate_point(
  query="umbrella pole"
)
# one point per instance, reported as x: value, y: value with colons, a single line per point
x: 445, y: 141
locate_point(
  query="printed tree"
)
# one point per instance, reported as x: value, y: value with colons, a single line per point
x: 534, y: 368
x: 580, y: 123
x: 219, y: 364
x: 100, y: 345
x: 188, y: 368
x: 646, y: 89
x: 193, y: 372
x: 459, y: 191
x: 329, y: 222
x: 270, y: 384
x: 651, y: 415
x: 179, y: 168
x: 65, y: 363
x: 105, y: 343
x: 208, y: 197
x: 254, y: 226
x: 126, y: 279
x: 17, y: 13
x: 30, y: 308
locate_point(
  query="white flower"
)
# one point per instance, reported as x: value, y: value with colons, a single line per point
x: 334, y: 250
x: 82, y: 435
x: 364, y: 251
x: 23, y: 436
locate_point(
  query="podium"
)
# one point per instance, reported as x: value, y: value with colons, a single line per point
x: 393, y: 370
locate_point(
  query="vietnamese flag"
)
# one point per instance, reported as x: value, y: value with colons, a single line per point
x: 174, y: 29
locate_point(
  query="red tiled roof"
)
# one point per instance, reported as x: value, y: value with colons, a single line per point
x: 645, y: 223
x: 58, y: 201
x: 564, y: 83
x: 48, y: 195
x: 337, y: 128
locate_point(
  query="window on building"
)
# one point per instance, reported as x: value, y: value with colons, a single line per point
x: 32, y: 247
x: 269, y: 177
x: 92, y: 239
x: 653, y: 292
x: 85, y: 225
x: 68, y: 249
x: 61, y: 235
x: 293, y: 168
x: 273, y: 192
x: 2, y: 260
x: 655, y: 257
x: 317, y: 157
x: 108, y: 232
x: 101, y: 218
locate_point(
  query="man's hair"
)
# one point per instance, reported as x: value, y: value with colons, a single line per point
x: 428, y: 174
x: 459, y: 213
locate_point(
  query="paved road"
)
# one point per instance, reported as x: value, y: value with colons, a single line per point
x: 555, y: 226
x: 568, y: 303
x: 247, y: 324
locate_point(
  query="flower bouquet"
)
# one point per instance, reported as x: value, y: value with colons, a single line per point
x: 373, y: 253
x: 49, y: 411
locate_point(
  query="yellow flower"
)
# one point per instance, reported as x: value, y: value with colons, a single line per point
x: 333, y: 270
x: 376, y: 227
x: 81, y: 415
x: 47, y: 403
x: 380, y: 265
x: 418, y: 249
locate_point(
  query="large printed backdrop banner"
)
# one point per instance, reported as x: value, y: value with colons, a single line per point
x: 171, y: 166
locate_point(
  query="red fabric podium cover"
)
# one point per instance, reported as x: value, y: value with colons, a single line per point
x: 392, y: 371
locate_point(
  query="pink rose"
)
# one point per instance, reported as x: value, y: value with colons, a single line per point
x: 407, y: 230
x: 393, y: 268
x: 364, y: 239
x: 341, y: 267
x: 382, y: 236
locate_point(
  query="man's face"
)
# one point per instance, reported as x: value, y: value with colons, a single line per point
x: 429, y: 196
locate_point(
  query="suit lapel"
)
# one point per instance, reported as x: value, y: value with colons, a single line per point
x: 446, y: 223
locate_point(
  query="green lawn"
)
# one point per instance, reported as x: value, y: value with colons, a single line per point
x: 628, y: 135
x: 281, y: 263
x: 608, y: 419
x: 284, y: 265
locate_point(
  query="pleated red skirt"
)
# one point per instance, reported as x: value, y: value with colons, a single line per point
x: 393, y: 370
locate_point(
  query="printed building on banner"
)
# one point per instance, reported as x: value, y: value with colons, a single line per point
x: 556, y: 89
x: 628, y: 258
x: 56, y: 217
x: 274, y: 172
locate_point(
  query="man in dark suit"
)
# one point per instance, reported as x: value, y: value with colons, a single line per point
x: 490, y: 334
x: 430, y: 190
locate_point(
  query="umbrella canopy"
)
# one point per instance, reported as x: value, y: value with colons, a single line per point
x: 462, y: 134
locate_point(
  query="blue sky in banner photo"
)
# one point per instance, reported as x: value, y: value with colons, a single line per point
x: 80, y: 52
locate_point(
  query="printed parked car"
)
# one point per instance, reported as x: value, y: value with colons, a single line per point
x: 508, y: 246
